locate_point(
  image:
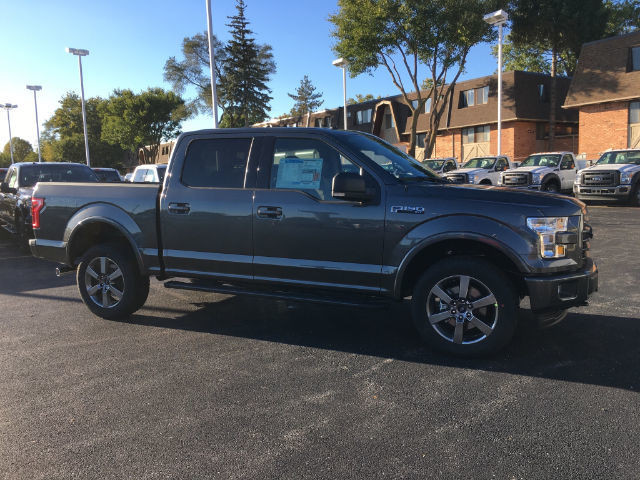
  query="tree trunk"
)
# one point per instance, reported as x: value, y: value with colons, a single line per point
x: 553, y: 99
x: 412, y: 137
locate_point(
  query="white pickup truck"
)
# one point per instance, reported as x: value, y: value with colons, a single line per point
x: 616, y: 176
x: 441, y: 165
x: 480, y: 171
x: 549, y: 172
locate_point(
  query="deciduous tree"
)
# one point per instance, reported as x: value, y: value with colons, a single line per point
x: 21, y: 148
x: 403, y: 35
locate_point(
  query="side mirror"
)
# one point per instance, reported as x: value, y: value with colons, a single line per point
x: 350, y: 186
x: 4, y: 188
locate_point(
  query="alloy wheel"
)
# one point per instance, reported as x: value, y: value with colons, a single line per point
x: 104, y: 282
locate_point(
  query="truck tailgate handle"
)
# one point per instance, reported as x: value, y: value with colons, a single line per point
x: 179, y: 208
x: 270, y: 212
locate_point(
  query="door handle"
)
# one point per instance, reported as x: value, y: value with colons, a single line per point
x: 179, y: 208
x: 270, y: 212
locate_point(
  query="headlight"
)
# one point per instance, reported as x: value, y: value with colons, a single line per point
x: 472, y: 179
x: 626, y: 177
x: 577, y: 179
x: 546, y: 228
x: 536, y: 178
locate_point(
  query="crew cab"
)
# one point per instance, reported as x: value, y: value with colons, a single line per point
x: 615, y: 176
x: 441, y: 165
x: 326, y: 216
x: 17, y: 187
x: 549, y: 172
x: 480, y: 171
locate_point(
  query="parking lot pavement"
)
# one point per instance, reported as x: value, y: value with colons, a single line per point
x: 209, y: 386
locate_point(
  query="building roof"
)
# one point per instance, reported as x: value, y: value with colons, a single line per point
x: 603, y: 72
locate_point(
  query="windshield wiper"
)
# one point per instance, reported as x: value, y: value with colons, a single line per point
x: 422, y: 179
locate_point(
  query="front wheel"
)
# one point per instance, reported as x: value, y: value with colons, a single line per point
x: 551, y: 187
x: 635, y: 196
x: 465, y: 306
x: 109, y: 282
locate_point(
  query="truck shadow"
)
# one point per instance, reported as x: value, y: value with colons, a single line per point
x: 591, y: 349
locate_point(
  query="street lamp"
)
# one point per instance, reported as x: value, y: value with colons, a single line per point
x: 498, y: 18
x: 79, y: 52
x: 35, y: 89
x: 342, y: 63
x: 8, y: 107
x: 212, y: 68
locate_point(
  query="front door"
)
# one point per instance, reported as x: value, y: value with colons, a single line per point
x: 206, y: 213
x: 305, y: 237
x: 567, y: 172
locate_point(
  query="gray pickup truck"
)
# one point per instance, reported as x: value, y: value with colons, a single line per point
x: 323, y: 216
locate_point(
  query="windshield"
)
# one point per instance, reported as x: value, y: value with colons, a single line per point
x: 32, y: 174
x: 485, y: 163
x: 434, y: 164
x: 541, y: 161
x: 161, y: 172
x: 393, y: 160
x: 108, y: 176
x: 611, y: 158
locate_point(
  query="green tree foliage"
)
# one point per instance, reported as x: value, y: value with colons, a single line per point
x: 193, y: 70
x: 403, y: 35
x: 533, y: 58
x: 243, y: 88
x: 142, y: 121
x: 559, y: 27
x: 624, y: 16
x: 63, y: 135
x: 307, y: 100
x: 361, y: 98
x: 21, y: 148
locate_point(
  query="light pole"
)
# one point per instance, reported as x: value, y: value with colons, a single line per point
x: 79, y: 52
x: 8, y: 107
x: 212, y: 68
x: 498, y: 18
x: 35, y: 89
x: 342, y: 63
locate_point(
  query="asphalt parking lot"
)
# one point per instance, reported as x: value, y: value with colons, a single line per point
x: 209, y: 386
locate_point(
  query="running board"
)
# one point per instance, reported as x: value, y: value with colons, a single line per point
x: 295, y: 296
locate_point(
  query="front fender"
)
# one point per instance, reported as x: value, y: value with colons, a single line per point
x: 111, y: 215
x: 516, y: 244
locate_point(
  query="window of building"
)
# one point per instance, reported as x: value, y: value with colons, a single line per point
x: 363, y: 116
x: 388, y: 121
x: 420, y: 139
x: 327, y: 122
x: 635, y: 58
x: 543, y: 93
x: 467, y: 98
x: 468, y: 135
x: 482, y: 133
x: 216, y: 163
x: 634, y: 112
x: 414, y: 104
x: 482, y: 95
x: 427, y: 105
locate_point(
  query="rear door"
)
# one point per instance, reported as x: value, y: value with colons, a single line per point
x: 8, y: 200
x: 206, y: 209
x: 301, y: 234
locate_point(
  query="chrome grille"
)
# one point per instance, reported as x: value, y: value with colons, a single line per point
x: 600, y: 179
x: 515, y: 179
x: 457, y: 178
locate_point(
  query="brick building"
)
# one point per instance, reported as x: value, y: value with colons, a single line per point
x: 469, y: 125
x: 606, y: 92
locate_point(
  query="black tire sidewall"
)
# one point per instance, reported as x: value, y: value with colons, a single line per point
x: 132, y: 282
x: 493, y: 278
x: 552, y: 184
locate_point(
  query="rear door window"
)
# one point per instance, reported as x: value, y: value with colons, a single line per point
x: 216, y: 163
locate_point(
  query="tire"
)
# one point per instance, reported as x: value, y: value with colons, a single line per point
x: 634, y: 200
x: 551, y: 187
x: 485, y: 182
x: 107, y: 293
x: 453, y: 324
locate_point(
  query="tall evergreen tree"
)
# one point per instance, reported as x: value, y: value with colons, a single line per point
x: 306, y: 98
x: 248, y: 66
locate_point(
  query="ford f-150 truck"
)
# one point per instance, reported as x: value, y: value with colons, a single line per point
x: 616, y: 176
x: 549, y: 172
x: 480, y: 171
x: 324, y: 216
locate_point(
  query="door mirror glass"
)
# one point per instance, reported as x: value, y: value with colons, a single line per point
x: 350, y: 186
x: 5, y: 188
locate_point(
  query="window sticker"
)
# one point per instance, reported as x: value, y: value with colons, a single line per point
x: 299, y: 173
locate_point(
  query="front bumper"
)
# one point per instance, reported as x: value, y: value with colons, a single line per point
x: 620, y: 192
x: 559, y: 292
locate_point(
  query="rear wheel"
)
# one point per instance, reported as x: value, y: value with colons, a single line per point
x: 109, y: 282
x: 465, y: 306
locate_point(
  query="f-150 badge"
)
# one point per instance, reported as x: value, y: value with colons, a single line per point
x: 407, y: 209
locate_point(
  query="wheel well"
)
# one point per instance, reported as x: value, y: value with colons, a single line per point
x: 486, y: 181
x: 448, y: 248
x: 96, y: 233
x: 553, y: 179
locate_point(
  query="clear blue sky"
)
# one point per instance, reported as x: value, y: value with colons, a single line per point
x: 130, y: 41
